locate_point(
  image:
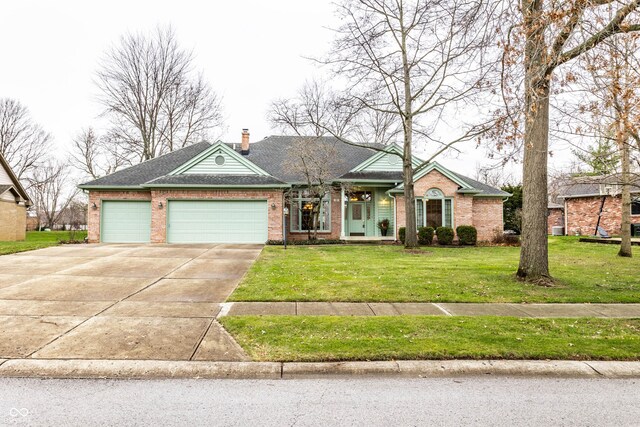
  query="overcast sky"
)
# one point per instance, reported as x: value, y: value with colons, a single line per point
x: 250, y: 51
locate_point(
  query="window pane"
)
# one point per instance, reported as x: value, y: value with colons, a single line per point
x: 635, y: 206
x: 325, y: 214
x: 307, y: 217
x: 295, y: 216
x: 419, y: 213
x: 448, y: 213
x: 356, y: 212
x: 434, y: 213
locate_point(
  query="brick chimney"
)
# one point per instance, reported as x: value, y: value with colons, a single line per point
x: 244, y: 148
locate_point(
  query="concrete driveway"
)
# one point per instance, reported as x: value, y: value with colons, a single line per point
x: 154, y: 302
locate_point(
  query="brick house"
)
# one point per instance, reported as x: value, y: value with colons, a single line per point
x: 578, y: 201
x: 248, y: 193
x: 13, y: 205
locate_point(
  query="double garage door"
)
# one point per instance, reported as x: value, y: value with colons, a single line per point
x: 197, y: 221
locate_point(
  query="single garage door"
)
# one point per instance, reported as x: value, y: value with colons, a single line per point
x: 217, y: 221
x: 126, y: 221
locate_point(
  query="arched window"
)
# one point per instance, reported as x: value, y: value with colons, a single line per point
x: 434, y: 209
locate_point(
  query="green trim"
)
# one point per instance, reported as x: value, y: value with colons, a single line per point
x: 186, y: 187
x: 393, y: 149
x: 369, y: 181
x: 444, y: 171
x: 111, y: 187
x: 209, y: 151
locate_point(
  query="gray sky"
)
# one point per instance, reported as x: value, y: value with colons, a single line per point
x: 250, y: 51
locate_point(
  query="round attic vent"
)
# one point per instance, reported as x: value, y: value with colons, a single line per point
x: 219, y: 160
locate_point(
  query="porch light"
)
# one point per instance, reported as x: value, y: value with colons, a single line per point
x: 273, y: 206
x: 160, y: 205
x: 94, y: 206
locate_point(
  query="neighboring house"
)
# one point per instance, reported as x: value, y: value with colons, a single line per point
x: 579, y: 200
x: 223, y: 193
x: 13, y: 205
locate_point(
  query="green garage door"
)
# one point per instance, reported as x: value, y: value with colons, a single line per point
x: 126, y: 222
x: 217, y: 221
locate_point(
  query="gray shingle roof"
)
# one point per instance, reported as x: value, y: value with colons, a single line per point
x: 589, y: 186
x: 151, y: 169
x: 373, y: 175
x: 485, y: 190
x: 272, y: 155
x: 214, y: 180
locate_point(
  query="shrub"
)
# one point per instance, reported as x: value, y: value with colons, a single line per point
x: 501, y: 238
x: 467, y: 234
x: 445, y: 235
x: 306, y: 242
x: 402, y: 231
x: 425, y: 235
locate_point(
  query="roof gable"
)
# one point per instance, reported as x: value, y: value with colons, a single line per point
x: 219, y: 159
x: 7, y: 177
x: 389, y: 160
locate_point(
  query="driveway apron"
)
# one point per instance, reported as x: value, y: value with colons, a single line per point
x: 143, y: 302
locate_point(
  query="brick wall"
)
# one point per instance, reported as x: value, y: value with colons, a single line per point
x: 158, y: 215
x: 555, y: 218
x: 13, y: 221
x: 487, y: 217
x: 483, y: 213
x: 582, y: 215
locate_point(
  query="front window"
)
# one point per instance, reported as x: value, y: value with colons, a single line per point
x: 434, y: 210
x: 635, y: 206
x: 302, y: 209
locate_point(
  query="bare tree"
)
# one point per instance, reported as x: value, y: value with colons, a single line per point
x: 22, y: 141
x: 153, y: 100
x: 315, y: 163
x: 544, y: 37
x: 96, y: 156
x: 615, y: 105
x: 52, y: 191
x: 404, y: 63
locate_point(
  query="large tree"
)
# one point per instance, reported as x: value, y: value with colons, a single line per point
x: 545, y: 36
x: 404, y: 63
x: 22, y: 141
x: 153, y: 99
x: 51, y: 192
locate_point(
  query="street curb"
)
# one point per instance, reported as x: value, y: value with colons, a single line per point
x: 159, y: 369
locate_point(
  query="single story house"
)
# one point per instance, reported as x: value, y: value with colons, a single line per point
x: 580, y: 200
x: 14, y: 201
x: 251, y: 193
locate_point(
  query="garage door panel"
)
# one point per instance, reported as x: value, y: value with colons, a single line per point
x: 126, y: 221
x: 217, y: 221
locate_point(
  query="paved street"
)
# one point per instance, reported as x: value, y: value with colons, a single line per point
x: 360, y: 402
x: 120, y: 301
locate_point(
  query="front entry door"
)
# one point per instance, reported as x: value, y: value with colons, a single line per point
x: 357, y: 219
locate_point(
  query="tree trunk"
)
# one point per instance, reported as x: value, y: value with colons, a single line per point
x: 411, y: 233
x: 534, y: 256
x: 625, y: 232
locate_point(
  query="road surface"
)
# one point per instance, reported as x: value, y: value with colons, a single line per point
x: 358, y: 401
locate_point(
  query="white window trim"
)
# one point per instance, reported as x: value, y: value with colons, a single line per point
x: 423, y: 202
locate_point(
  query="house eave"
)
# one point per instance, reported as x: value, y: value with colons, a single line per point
x: 111, y: 187
x: 188, y: 186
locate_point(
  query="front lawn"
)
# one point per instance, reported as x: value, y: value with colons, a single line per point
x: 325, y: 338
x: 38, y: 240
x: 586, y: 272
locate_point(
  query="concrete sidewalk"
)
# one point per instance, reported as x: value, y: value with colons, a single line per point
x: 429, y: 309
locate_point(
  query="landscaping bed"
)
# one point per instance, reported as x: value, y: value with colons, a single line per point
x: 388, y: 273
x: 334, y: 338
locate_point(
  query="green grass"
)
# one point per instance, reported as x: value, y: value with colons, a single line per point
x: 38, y: 240
x: 585, y: 272
x: 325, y: 338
